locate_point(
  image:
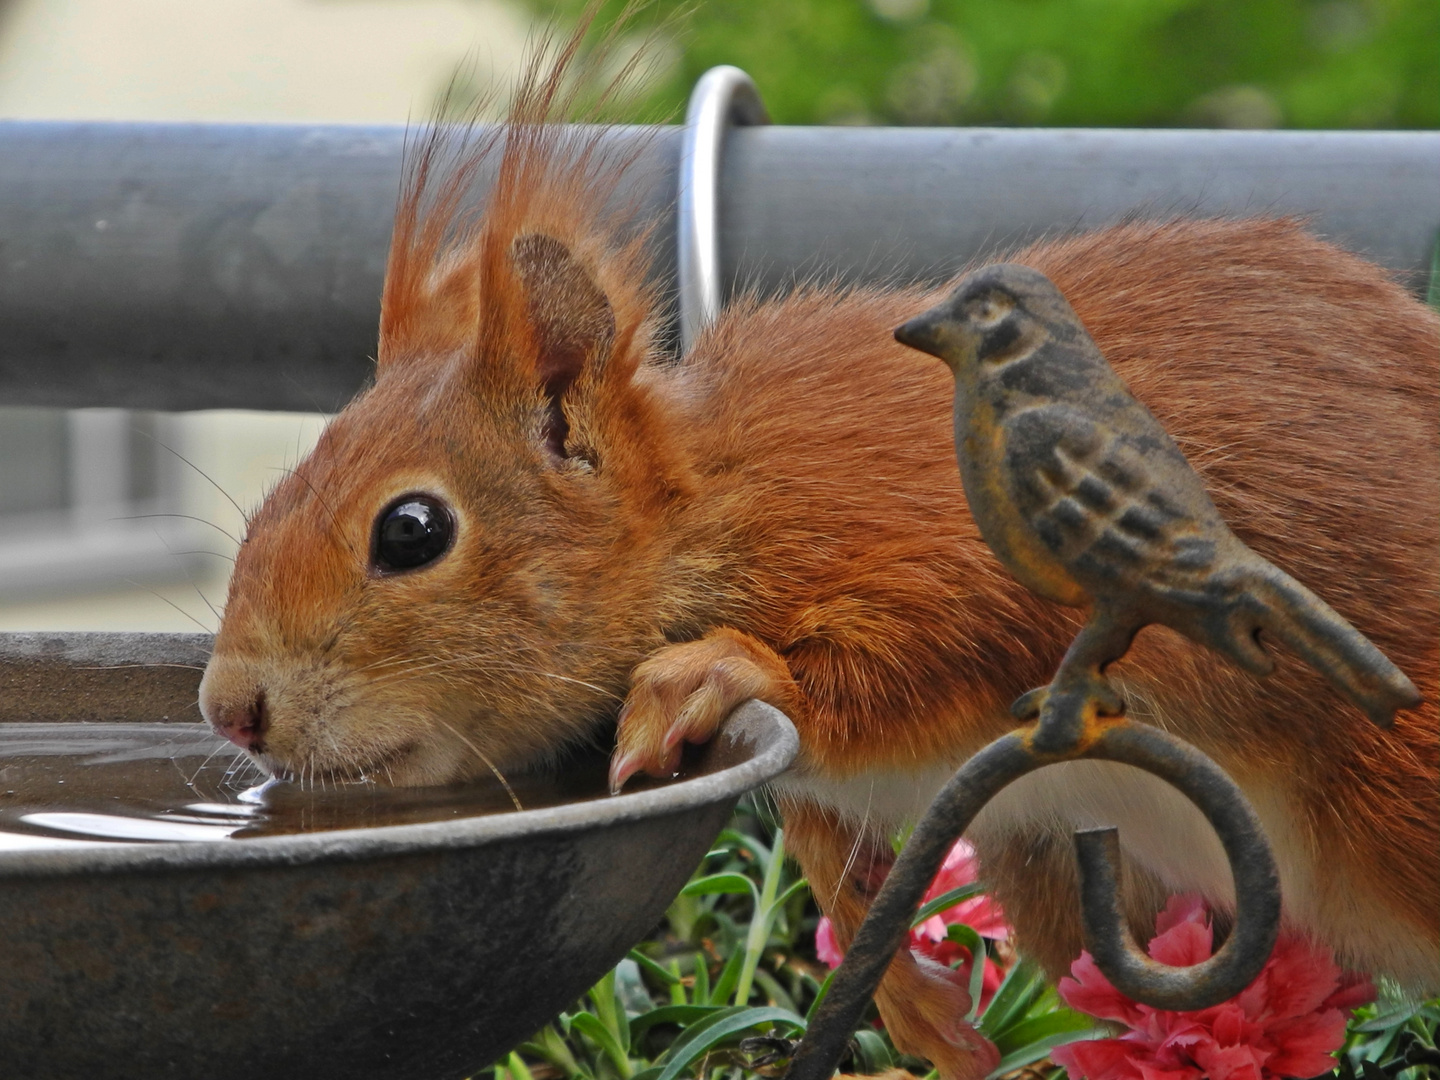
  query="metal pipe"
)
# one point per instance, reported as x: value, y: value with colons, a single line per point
x: 187, y: 266
x: 209, y: 266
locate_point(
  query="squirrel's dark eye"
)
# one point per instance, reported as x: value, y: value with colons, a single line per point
x: 412, y: 531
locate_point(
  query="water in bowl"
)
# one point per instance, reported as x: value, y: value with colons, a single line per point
x: 63, y: 785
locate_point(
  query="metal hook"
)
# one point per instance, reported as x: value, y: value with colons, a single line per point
x: 884, y: 931
x: 1252, y: 867
x: 724, y: 96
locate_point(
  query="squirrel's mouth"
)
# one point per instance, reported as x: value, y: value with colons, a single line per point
x: 386, y: 768
x: 425, y: 759
x: 313, y: 750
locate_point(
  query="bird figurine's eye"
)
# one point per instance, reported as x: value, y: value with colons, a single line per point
x: 990, y: 309
x: 410, y: 532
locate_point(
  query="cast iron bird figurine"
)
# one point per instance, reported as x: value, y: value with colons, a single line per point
x: 1086, y: 499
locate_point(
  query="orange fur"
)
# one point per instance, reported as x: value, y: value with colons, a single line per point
x: 782, y: 510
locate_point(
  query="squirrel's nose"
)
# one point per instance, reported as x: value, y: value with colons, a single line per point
x: 244, y: 725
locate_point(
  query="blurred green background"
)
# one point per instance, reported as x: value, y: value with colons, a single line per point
x: 1146, y: 63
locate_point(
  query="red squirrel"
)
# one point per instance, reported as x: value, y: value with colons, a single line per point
x: 533, y: 518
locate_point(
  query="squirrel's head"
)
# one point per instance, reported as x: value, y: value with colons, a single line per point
x: 454, y: 580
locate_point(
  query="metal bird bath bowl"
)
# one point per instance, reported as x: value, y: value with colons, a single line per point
x: 415, y: 950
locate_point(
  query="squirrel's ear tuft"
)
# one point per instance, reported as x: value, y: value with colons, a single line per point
x: 570, y: 319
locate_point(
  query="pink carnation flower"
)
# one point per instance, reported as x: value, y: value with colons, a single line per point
x: 1287, y: 1023
x: 980, y: 913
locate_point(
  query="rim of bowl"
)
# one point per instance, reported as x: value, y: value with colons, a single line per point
x: 760, y: 732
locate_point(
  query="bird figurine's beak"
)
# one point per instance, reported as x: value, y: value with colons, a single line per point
x: 922, y: 332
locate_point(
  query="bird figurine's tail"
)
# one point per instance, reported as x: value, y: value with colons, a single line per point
x: 1292, y: 614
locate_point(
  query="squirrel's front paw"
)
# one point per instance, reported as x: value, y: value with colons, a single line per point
x: 682, y: 693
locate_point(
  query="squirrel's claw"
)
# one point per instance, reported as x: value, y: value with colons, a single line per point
x: 622, y: 768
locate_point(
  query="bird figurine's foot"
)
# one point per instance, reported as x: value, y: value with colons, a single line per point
x: 1108, y: 701
x: 1065, y: 707
x: 1028, y: 705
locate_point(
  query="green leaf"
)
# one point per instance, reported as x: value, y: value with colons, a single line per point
x: 684, y: 1015
x: 729, y: 934
x: 901, y: 838
x: 1040, y: 1028
x: 762, y: 919
x: 874, y: 1055
x: 591, y: 1027
x: 666, y: 976
x: 553, y: 1049
x: 734, y: 884
x: 516, y: 1067
x: 820, y: 996
x: 683, y: 914
x: 758, y: 851
x: 790, y: 891
x: 700, y: 1038
x: 1038, y: 1049
x: 631, y: 993
x: 946, y: 900
x: 777, y: 994
x: 701, y: 992
x: 609, y: 1011
x: 1393, y: 1018
x: 1023, y: 985
x: 966, y: 936
x: 729, y: 975
x: 677, y: 988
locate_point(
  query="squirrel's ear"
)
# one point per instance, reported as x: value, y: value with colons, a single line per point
x: 569, y: 315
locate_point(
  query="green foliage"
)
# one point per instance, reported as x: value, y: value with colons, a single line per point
x: 1026, y: 1020
x: 731, y: 979
x: 727, y: 966
x: 1204, y: 63
x: 1393, y: 1039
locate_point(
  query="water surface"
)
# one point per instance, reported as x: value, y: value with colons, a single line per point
x: 66, y: 785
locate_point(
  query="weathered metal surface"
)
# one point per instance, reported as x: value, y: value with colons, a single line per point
x: 99, y: 677
x: 419, y: 951
x: 185, y: 266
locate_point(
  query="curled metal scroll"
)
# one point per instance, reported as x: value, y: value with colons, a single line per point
x: 1134, y: 974
x: 723, y: 96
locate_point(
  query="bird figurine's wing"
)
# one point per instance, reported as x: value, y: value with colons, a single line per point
x: 1094, y: 501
